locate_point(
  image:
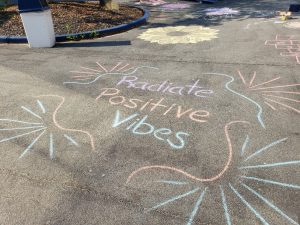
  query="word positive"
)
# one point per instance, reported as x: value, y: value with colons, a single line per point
x: 151, y: 105
x: 165, y: 86
x: 139, y: 126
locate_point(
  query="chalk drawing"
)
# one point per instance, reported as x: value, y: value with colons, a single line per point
x: 292, y: 25
x: 210, y: 179
x: 175, y: 6
x: 179, y: 34
x: 196, y: 207
x: 41, y: 128
x: 218, y: 14
x: 151, y: 2
x: 173, y: 182
x: 172, y: 199
x: 225, y: 188
x: 193, y: 15
x: 270, y: 204
x: 91, y: 138
x: 245, y: 145
x: 288, y: 44
x: 255, y: 212
x: 213, y: 14
x: 271, y: 165
x: 31, y: 144
x: 30, y: 111
x: 270, y: 93
x: 220, y: 11
x: 51, y: 146
x: 87, y: 76
x: 260, y: 110
x: 225, y: 206
x: 259, y: 151
x: 72, y: 141
x: 272, y: 182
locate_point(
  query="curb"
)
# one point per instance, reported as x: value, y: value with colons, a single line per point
x: 88, y: 34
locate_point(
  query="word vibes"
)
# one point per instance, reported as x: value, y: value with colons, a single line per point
x: 138, y: 126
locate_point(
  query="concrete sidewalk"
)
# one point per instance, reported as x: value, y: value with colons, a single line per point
x: 190, y: 119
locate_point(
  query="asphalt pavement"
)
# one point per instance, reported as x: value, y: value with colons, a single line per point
x: 192, y: 118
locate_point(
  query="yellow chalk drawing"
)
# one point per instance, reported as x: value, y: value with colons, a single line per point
x: 179, y: 34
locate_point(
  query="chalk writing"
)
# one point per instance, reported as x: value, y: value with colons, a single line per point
x: 115, y: 98
x: 152, y: 105
x: 41, y: 128
x: 166, y: 86
x: 139, y: 126
x: 224, y: 189
x: 220, y: 11
x: 270, y: 93
x: 142, y: 125
x: 288, y: 44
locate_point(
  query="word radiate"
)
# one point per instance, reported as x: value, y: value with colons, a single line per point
x: 166, y: 86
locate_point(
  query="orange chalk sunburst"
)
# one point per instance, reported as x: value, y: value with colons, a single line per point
x: 273, y: 95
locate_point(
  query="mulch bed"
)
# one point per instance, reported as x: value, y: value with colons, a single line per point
x: 70, y: 18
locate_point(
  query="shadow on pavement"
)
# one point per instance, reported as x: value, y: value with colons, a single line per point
x: 93, y: 44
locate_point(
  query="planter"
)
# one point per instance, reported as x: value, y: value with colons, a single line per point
x: 37, y: 21
x: 88, y: 34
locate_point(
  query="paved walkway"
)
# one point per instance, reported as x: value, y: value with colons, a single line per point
x: 190, y: 119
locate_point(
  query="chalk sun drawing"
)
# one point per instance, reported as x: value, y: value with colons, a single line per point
x: 179, y: 35
x: 274, y: 95
x: 40, y: 128
x: 232, y: 79
x: 87, y: 76
x: 224, y: 188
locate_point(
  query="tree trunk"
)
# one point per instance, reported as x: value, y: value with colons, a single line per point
x: 109, y: 5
